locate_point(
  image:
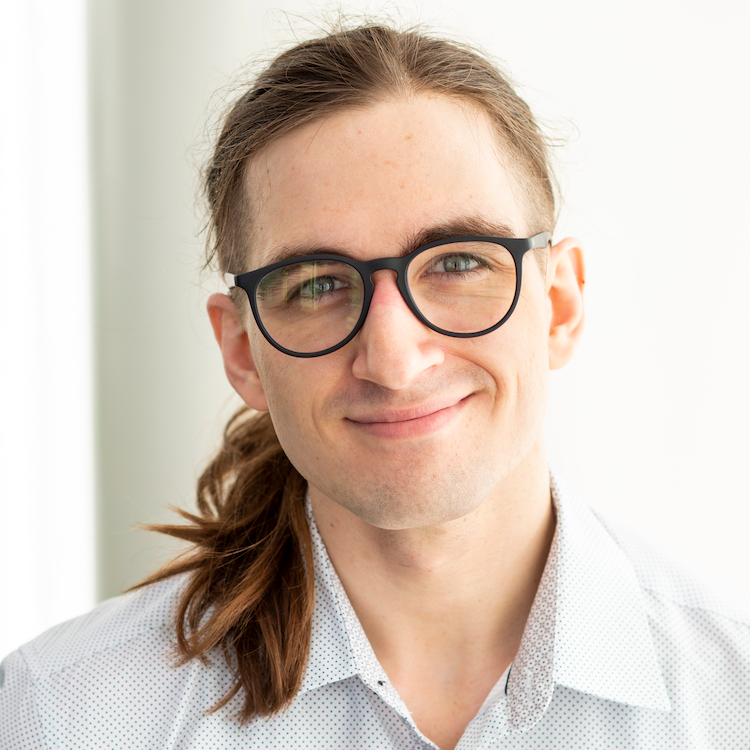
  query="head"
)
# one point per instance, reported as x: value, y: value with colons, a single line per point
x: 366, y: 143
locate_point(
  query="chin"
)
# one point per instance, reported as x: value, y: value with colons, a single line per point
x: 417, y: 503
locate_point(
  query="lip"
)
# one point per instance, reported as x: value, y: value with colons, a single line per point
x: 415, y: 421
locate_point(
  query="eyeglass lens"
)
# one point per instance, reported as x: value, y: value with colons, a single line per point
x: 462, y: 287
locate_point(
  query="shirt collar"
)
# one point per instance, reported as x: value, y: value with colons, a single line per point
x: 331, y: 652
x: 587, y: 629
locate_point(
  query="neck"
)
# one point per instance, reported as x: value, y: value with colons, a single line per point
x: 448, y: 602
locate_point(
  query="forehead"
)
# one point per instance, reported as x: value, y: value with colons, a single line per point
x: 367, y: 181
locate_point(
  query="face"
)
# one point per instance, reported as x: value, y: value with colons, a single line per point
x: 403, y: 426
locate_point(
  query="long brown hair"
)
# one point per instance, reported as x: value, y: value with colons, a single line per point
x: 251, y: 588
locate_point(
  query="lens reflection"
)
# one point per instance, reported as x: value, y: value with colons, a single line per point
x: 310, y: 306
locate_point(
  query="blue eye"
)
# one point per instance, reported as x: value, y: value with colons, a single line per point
x: 318, y: 286
x: 458, y: 263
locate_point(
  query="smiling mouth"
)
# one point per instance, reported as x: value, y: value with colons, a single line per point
x: 411, y: 422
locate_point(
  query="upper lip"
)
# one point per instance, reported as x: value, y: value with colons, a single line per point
x: 406, y: 413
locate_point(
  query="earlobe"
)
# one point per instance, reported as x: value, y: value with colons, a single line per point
x: 239, y: 364
x: 566, y: 276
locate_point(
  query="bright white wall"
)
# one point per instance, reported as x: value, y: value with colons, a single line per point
x: 46, y: 427
x: 647, y: 422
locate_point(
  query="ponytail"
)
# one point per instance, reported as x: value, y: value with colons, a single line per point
x: 250, y: 560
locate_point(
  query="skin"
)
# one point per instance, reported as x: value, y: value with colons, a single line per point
x: 424, y: 453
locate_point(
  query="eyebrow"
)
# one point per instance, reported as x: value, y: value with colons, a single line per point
x: 466, y: 226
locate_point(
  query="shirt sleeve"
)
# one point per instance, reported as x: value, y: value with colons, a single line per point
x: 20, y: 727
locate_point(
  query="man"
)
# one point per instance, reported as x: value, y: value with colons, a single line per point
x: 382, y: 558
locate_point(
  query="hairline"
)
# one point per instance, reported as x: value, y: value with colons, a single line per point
x: 507, y: 160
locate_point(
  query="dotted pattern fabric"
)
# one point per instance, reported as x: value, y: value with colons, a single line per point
x: 626, y: 647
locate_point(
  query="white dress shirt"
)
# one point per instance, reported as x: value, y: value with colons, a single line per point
x: 625, y: 647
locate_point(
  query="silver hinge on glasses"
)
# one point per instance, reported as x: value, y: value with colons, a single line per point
x: 229, y: 280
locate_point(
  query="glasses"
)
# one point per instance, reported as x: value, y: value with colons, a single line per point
x: 458, y: 286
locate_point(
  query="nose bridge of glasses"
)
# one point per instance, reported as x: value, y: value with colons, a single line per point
x: 397, y: 265
x: 384, y: 264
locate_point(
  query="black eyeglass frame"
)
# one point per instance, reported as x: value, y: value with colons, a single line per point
x: 517, y: 247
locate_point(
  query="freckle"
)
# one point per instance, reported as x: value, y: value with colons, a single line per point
x: 408, y: 138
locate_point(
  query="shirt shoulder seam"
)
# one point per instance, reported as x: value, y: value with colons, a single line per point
x: 710, y: 610
x: 665, y: 596
x: 40, y: 672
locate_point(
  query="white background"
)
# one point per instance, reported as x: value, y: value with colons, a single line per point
x: 46, y: 377
x: 649, y: 420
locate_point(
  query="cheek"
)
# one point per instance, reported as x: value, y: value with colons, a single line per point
x: 533, y: 370
x: 280, y: 377
x: 284, y: 385
x: 294, y: 388
x: 519, y: 360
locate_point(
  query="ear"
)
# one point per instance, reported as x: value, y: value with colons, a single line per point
x: 566, y: 276
x: 239, y: 364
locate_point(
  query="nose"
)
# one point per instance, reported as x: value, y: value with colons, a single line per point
x: 393, y: 346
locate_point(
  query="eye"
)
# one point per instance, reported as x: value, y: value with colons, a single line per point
x: 456, y: 263
x: 320, y: 285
